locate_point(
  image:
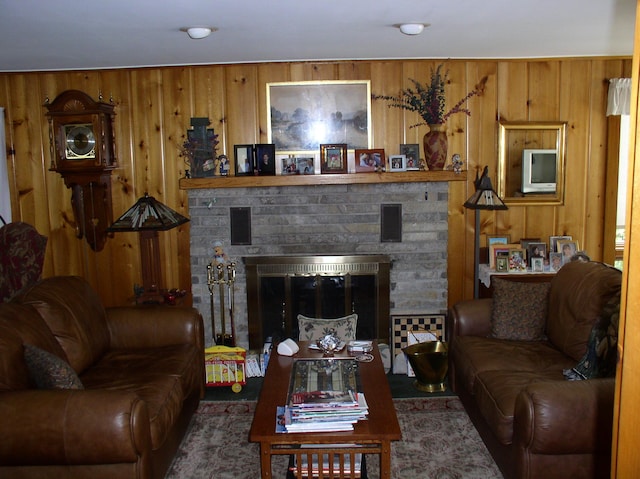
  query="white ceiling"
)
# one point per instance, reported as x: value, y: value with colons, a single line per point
x: 40, y: 35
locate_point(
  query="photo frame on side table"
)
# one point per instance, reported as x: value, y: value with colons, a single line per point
x: 494, y: 249
x: 536, y: 250
x: 498, y: 239
x: 243, y: 157
x: 517, y: 261
x: 555, y: 262
x: 567, y: 249
x: 553, y: 242
x: 333, y: 158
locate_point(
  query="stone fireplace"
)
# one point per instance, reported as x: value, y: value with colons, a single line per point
x: 321, y: 220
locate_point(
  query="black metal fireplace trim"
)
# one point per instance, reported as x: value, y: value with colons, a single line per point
x: 257, y: 267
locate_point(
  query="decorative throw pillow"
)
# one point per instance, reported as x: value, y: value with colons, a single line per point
x: 311, y: 329
x: 519, y: 310
x: 600, y: 359
x: 48, y: 371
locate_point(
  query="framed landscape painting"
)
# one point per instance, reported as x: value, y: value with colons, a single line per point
x: 304, y: 115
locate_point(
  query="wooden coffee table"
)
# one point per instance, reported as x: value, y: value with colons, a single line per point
x: 372, y: 436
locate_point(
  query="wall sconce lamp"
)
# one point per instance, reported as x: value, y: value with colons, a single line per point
x: 484, y: 198
x: 148, y: 216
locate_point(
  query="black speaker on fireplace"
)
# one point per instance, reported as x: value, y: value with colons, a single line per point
x: 240, y: 225
x: 391, y: 223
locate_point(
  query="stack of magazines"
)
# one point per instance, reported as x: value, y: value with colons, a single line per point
x: 321, y: 411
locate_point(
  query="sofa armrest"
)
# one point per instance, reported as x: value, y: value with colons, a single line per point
x: 153, y: 326
x: 470, y: 318
x: 565, y: 417
x: 67, y: 427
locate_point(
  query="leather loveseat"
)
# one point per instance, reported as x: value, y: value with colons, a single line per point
x: 88, y: 391
x: 534, y: 420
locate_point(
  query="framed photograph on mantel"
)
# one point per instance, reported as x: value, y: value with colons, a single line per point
x: 369, y: 161
x: 333, y: 159
x: 412, y: 152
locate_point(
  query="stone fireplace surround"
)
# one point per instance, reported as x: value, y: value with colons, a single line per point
x: 325, y: 220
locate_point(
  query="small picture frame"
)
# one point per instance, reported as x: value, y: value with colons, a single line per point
x: 553, y: 242
x: 498, y: 239
x: 369, y: 160
x: 502, y: 264
x: 517, y: 261
x: 296, y: 165
x: 243, y: 157
x: 567, y: 249
x: 499, y: 248
x: 412, y: 152
x: 397, y: 163
x: 537, y: 265
x: 536, y: 250
x: 266, y: 159
x: 555, y: 261
x: 333, y: 158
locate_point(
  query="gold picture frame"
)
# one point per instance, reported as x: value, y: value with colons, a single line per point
x: 495, y: 248
x: 303, y: 115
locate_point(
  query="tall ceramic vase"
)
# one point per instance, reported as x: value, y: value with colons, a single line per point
x: 435, y: 146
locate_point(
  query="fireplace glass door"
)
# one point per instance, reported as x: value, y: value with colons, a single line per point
x: 280, y: 288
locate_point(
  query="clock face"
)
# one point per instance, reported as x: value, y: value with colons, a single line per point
x: 80, y: 142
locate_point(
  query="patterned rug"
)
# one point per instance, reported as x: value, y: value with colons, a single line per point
x: 438, y: 442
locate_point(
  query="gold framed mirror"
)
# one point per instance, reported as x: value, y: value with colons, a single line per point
x: 531, y: 162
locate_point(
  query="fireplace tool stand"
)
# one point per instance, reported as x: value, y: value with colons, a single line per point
x: 224, y: 285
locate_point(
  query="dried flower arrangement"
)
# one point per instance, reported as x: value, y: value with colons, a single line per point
x: 429, y: 101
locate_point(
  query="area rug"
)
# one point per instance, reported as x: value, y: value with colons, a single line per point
x: 438, y: 442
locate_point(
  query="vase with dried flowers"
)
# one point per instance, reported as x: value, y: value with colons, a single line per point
x: 429, y: 102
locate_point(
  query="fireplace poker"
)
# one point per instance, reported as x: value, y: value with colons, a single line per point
x: 231, y: 278
x: 210, y: 283
x: 222, y: 315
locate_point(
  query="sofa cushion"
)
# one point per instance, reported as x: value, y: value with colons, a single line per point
x: 496, y: 393
x: 519, y: 310
x: 14, y: 375
x: 600, y: 359
x: 578, y: 293
x: 48, y: 371
x: 163, y: 377
x: 473, y: 355
x: 311, y: 329
x: 74, y: 313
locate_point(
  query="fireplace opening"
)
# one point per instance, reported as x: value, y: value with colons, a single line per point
x: 281, y: 287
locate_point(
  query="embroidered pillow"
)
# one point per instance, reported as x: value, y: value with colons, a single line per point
x: 48, y: 371
x: 600, y: 359
x: 311, y: 329
x: 519, y: 310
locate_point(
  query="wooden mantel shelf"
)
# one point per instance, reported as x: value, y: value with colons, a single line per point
x: 310, y: 180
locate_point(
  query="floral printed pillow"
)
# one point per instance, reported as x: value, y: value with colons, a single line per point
x: 311, y: 329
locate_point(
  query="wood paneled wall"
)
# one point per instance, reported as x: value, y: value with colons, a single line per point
x: 153, y: 111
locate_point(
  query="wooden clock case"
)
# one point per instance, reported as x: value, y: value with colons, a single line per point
x: 83, y: 153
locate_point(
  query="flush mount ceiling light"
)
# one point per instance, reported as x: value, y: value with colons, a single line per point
x: 412, y: 28
x: 198, y: 32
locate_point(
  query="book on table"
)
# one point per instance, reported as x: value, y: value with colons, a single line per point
x: 322, y: 397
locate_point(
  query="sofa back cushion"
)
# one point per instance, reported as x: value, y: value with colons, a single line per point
x: 75, y: 316
x: 578, y: 293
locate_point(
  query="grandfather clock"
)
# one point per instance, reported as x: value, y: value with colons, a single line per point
x: 83, y: 152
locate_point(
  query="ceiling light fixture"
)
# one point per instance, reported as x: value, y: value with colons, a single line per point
x: 198, y: 32
x: 412, y: 28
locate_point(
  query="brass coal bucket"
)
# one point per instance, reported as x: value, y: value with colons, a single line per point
x: 430, y: 362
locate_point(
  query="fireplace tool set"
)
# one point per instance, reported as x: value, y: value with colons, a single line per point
x: 223, y: 283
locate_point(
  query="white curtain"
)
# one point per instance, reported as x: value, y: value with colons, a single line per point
x: 619, y: 96
x: 5, y: 196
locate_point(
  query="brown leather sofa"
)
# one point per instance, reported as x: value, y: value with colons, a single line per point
x: 536, y: 423
x: 142, y: 377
